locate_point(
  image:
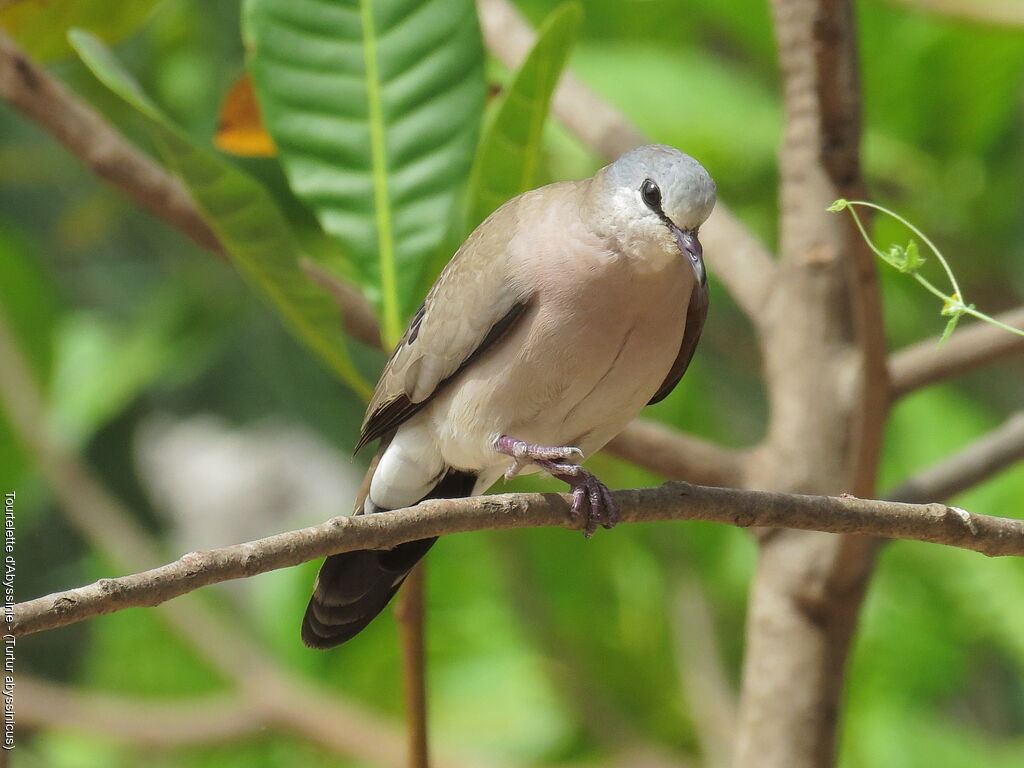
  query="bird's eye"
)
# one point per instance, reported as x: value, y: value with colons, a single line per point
x: 651, y: 195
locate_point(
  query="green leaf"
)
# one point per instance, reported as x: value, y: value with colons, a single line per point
x: 244, y: 216
x: 838, y: 205
x: 375, y: 107
x: 29, y: 309
x: 101, y: 368
x: 41, y: 26
x: 907, y: 259
x: 506, y: 164
x: 912, y: 258
x: 950, y: 327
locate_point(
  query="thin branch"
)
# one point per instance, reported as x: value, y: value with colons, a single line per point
x: 142, y: 722
x: 710, y: 698
x: 936, y: 523
x: 677, y: 456
x: 411, y: 629
x: 357, y: 316
x: 85, y: 134
x: 304, y: 707
x: 969, y: 349
x: 976, y: 462
x: 739, y: 259
x: 1004, y: 13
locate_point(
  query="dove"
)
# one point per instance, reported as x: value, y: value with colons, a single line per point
x: 561, y: 316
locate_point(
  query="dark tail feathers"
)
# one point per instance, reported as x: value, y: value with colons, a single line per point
x: 354, y: 587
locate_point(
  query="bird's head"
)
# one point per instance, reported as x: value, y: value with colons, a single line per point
x: 652, y: 200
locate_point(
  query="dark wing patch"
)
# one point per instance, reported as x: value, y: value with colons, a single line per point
x: 390, y: 415
x: 696, y: 313
x: 414, y: 325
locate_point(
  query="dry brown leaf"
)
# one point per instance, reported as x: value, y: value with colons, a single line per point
x: 240, y: 128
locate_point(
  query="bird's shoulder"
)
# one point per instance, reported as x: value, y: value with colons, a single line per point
x: 475, y: 300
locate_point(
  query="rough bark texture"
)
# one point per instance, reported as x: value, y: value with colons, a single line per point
x: 825, y: 373
x: 935, y: 523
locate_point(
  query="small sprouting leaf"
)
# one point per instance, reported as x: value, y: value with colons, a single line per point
x: 913, y: 260
x: 896, y: 256
x: 907, y: 259
x: 950, y: 327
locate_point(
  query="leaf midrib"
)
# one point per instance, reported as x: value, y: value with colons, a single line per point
x: 382, y: 205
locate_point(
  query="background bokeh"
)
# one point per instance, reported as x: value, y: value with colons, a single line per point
x: 189, y: 399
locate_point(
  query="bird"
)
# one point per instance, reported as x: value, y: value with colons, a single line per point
x: 560, y: 317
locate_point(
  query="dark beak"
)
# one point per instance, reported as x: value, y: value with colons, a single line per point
x: 690, y: 247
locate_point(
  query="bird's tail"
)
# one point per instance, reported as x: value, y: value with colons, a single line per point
x: 353, y: 587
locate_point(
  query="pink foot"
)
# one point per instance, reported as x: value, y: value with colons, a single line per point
x: 590, y: 497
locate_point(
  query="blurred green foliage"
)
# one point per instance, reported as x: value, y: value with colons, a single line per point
x: 123, y: 318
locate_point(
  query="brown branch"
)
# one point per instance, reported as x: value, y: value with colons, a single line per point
x: 304, y: 707
x: 824, y: 353
x: 84, y: 133
x: 936, y: 523
x: 739, y: 259
x: 969, y: 349
x: 411, y: 629
x: 357, y: 316
x: 976, y: 462
x: 706, y: 689
x: 1005, y: 13
x: 143, y: 722
x: 677, y: 456
x: 301, y: 710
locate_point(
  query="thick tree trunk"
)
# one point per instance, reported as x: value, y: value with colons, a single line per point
x: 825, y: 371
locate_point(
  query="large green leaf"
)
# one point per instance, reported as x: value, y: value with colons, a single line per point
x: 41, y: 26
x: 506, y: 164
x: 375, y: 107
x: 244, y: 216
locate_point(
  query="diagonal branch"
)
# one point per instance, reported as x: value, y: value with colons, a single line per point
x: 677, y: 456
x: 143, y: 722
x: 1005, y: 13
x: 967, y: 350
x: 302, y: 706
x: 85, y: 134
x: 741, y: 261
x: 1001, y: 448
x: 936, y: 523
x: 706, y: 689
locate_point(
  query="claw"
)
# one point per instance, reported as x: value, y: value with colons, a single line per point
x: 591, y: 498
